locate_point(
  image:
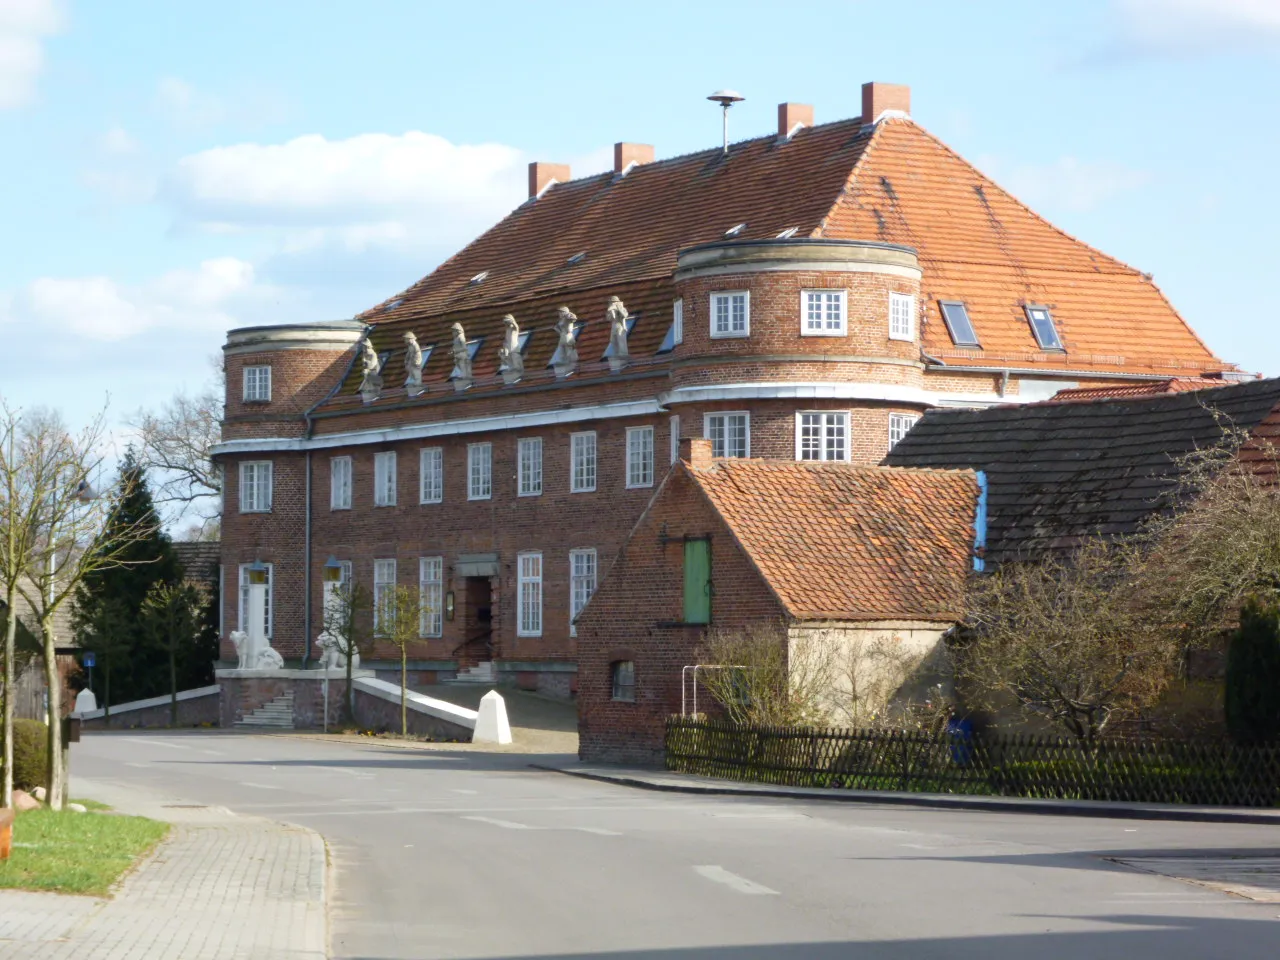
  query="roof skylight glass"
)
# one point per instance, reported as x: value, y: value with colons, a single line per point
x: 577, y: 258
x: 735, y: 230
x: 478, y: 278
x: 956, y: 316
x: 1042, y: 326
x: 426, y: 354
x: 788, y: 233
x: 393, y: 304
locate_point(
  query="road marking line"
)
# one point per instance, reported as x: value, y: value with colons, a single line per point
x: 260, y: 786
x: 505, y: 824
x: 599, y: 831
x: 158, y: 743
x: 130, y: 763
x: 718, y: 874
x: 467, y: 792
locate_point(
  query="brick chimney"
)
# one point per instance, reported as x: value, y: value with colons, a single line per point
x: 696, y: 452
x: 541, y: 174
x: 791, y: 116
x: 625, y: 154
x: 879, y: 98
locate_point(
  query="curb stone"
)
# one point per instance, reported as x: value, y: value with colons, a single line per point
x: 686, y: 783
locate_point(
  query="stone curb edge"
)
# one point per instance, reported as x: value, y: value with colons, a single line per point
x: 1061, y: 808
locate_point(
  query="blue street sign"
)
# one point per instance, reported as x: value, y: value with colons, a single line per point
x: 87, y: 659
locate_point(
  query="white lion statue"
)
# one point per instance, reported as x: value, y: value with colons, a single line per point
x: 331, y: 655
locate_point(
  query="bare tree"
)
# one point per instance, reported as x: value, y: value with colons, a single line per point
x: 171, y: 614
x: 1068, y: 638
x: 759, y: 675
x: 399, y: 619
x: 175, y: 445
x: 63, y: 521
x: 344, y: 620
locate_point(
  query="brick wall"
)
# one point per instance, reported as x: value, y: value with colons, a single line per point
x: 635, y: 614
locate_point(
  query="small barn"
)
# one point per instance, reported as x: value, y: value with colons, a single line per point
x: 850, y: 554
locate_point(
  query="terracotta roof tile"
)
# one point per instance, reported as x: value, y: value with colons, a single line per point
x: 1144, y: 389
x: 842, y: 542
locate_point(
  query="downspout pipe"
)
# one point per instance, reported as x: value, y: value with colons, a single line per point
x: 980, y: 525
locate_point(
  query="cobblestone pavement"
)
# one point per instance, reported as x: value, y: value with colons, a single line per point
x: 221, y: 887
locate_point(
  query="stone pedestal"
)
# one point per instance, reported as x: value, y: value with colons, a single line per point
x: 244, y: 691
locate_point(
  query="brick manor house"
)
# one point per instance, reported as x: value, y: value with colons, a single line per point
x: 804, y: 295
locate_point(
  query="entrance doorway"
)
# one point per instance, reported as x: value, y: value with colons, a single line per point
x: 477, y: 622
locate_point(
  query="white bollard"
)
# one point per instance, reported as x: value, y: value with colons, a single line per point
x: 491, y: 724
x: 85, y: 701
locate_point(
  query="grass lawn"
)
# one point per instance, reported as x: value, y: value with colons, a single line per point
x: 75, y: 852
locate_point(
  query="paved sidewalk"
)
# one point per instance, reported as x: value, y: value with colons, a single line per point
x: 687, y: 783
x: 221, y: 887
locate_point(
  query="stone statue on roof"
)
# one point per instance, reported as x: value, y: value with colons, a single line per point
x: 371, y: 368
x: 510, y: 359
x: 461, y: 354
x: 616, y: 316
x: 412, y: 365
x: 566, y: 356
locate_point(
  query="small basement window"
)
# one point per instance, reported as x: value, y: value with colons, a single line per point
x: 1042, y: 326
x: 623, y: 677
x: 956, y: 316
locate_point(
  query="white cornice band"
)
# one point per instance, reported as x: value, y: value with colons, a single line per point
x: 875, y: 392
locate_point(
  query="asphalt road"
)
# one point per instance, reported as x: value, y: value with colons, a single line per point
x: 452, y: 854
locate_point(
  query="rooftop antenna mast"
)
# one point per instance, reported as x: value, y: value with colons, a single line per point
x: 726, y: 99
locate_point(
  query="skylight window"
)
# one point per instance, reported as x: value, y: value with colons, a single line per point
x: 383, y: 357
x: 735, y: 230
x: 788, y: 233
x: 524, y: 340
x: 393, y: 304
x: 478, y: 278
x: 1042, y: 326
x: 473, y: 347
x: 956, y: 316
x: 426, y: 354
x: 631, y: 325
x: 577, y: 258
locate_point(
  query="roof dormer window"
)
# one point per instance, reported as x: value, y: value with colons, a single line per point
x: 1041, y: 321
x: 956, y: 316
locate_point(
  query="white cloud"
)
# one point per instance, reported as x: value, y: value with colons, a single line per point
x: 1199, y: 26
x: 187, y: 107
x: 24, y: 24
x: 101, y: 309
x: 117, y: 142
x: 1071, y: 184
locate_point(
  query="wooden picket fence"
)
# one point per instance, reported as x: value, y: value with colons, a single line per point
x: 1219, y: 773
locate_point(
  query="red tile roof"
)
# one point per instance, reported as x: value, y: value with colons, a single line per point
x: 1150, y: 388
x: 841, y: 542
x: 893, y: 182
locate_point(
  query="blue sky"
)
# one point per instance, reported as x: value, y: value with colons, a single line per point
x: 175, y: 169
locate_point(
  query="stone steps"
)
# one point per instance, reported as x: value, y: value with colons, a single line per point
x: 276, y: 715
x: 481, y: 673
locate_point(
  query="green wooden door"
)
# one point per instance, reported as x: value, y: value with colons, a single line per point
x: 697, y: 581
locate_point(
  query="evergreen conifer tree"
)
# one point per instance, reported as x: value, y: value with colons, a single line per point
x: 1253, y: 675
x: 138, y: 669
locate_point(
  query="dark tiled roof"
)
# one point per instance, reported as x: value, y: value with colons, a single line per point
x: 1060, y: 471
x: 199, y: 559
x: 841, y: 542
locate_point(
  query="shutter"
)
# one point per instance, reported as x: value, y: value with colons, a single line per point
x: 697, y: 581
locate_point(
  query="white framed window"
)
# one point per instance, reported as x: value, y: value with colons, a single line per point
x: 902, y: 316
x: 339, y: 483
x: 729, y: 433
x: 384, y: 479
x: 677, y: 322
x: 255, y: 486
x: 529, y: 594
x: 257, y: 384
x: 529, y: 457
x: 582, y: 583
x: 822, y: 436
x: 731, y: 313
x: 431, y: 596
x: 582, y: 462
x: 822, y: 313
x: 956, y: 316
x: 431, y: 475
x: 899, y: 424
x: 384, y: 584
x: 479, y: 471
x: 268, y: 607
x: 675, y: 438
x: 639, y: 456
